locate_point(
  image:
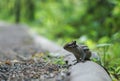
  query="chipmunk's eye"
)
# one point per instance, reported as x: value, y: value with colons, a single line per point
x: 69, y: 45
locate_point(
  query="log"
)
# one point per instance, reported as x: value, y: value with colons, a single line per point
x: 88, y: 71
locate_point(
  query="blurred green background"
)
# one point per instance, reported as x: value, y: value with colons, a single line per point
x: 91, y: 22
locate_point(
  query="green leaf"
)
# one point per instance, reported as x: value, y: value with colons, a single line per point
x: 104, y: 45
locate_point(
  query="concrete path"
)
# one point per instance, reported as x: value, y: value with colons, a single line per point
x: 16, y: 40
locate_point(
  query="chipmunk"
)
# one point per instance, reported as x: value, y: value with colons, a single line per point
x: 81, y: 53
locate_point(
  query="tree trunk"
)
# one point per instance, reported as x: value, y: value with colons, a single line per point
x: 17, y: 10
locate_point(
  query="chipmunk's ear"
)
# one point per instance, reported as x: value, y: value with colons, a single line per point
x: 74, y: 42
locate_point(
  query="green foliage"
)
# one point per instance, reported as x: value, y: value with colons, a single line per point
x: 110, y: 59
x: 115, y: 72
x: 70, y: 18
x: 59, y: 61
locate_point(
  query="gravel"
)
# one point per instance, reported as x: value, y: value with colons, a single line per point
x: 16, y: 63
x: 29, y: 70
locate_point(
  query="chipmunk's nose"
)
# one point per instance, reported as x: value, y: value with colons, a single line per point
x: 64, y: 47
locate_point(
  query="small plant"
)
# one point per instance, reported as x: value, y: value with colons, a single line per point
x: 115, y: 71
x: 59, y: 61
x: 104, y: 48
x: 113, y: 65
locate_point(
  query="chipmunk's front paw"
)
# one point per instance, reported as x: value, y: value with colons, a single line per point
x: 82, y: 61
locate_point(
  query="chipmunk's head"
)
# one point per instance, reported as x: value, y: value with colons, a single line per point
x: 70, y: 46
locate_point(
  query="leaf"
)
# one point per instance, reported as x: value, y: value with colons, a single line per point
x: 118, y: 70
x: 103, y: 45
